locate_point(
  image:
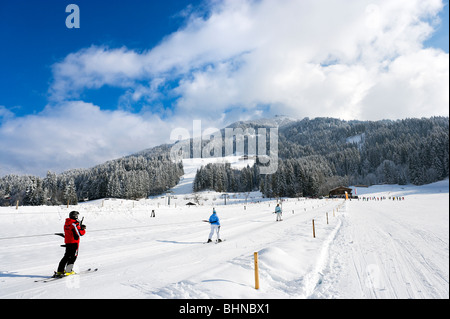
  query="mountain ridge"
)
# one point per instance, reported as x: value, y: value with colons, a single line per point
x: 320, y: 149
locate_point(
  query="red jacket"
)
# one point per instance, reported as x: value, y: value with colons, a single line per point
x: 72, y: 231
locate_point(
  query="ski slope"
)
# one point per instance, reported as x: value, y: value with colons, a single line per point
x: 190, y: 166
x: 368, y: 249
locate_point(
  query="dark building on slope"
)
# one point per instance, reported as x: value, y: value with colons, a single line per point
x: 339, y: 192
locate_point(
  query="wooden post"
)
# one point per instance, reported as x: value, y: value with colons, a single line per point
x: 17, y: 205
x: 68, y: 201
x: 256, y: 270
x: 314, y: 231
x: 327, y: 218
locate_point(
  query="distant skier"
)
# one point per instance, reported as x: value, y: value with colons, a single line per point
x: 215, y: 226
x: 72, y: 233
x: 278, y: 212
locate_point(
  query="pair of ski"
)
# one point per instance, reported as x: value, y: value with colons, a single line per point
x: 53, y: 278
x: 215, y: 242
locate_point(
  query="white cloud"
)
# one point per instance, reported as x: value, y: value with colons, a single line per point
x: 296, y: 56
x: 5, y: 113
x: 324, y: 58
x: 348, y: 59
x: 74, y: 135
x: 416, y: 85
x: 95, y: 67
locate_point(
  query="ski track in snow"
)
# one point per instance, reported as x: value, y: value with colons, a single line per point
x: 369, y: 249
x: 164, y: 259
x: 386, y: 251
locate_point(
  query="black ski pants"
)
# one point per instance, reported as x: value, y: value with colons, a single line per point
x: 69, y: 257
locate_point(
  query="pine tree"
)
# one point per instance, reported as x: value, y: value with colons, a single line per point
x: 70, y: 194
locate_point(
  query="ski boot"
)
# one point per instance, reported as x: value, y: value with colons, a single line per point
x: 58, y: 274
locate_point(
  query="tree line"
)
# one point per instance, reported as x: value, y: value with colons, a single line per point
x: 131, y: 177
x: 222, y: 178
x: 320, y: 154
x: 314, y: 155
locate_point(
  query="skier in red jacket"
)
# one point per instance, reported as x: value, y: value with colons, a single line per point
x: 72, y: 233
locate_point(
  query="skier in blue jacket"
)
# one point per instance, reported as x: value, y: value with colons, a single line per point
x: 215, y: 226
x: 278, y: 212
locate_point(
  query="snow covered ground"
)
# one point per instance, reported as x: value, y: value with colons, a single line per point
x: 368, y: 249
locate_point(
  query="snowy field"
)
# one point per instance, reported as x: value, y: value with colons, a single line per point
x: 368, y: 249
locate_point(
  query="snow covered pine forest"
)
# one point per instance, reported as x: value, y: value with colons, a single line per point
x: 392, y: 242
x: 315, y: 155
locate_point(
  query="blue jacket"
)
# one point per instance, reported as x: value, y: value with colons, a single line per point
x: 277, y: 209
x: 214, y: 219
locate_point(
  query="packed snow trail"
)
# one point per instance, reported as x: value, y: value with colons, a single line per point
x: 143, y: 257
x: 391, y: 249
x: 369, y: 249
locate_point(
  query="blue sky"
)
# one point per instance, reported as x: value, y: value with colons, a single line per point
x: 135, y: 70
x: 34, y: 36
x: 440, y: 39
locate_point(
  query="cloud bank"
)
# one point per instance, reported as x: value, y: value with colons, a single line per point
x: 348, y: 59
